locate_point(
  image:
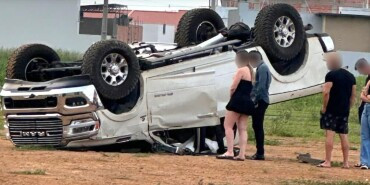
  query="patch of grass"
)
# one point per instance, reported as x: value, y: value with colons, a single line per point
x: 314, y: 182
x: 300, y: 118
x: 353, y: 148
x: 272, y: 142
x: 110, y: 154
x: 1, y: 121
x: 69, y: 55
x: 336, y: 164
x: 30, y: 172
x: 142, y: 155
x: 4, y: 55
x: 33, y: 148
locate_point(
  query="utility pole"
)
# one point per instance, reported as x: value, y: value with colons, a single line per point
x: 213, y: 4
x: 104, y: 26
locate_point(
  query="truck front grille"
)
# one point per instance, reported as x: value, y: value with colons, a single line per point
x: 48, y: 131
x: 47, y: 102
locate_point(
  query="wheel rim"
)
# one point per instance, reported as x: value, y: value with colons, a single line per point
x: 205, y: 31
x: 35, y: 64
x: 114, y: 69
x: 284, y: 31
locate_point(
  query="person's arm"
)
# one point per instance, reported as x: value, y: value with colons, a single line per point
x: 236, y: 80
x: 262, y: 80
x: 353, y: 96
x: 364, y: 94
x: 326, y: 95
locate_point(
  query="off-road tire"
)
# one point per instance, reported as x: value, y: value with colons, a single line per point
x: 19, y: 59
x: 264, y: 33
x: 93, y: 59
x: 189, y: 22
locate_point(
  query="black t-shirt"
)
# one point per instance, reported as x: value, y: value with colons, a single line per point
x: 340, y: 93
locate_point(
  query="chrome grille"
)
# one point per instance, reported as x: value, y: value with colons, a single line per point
x: 36, y: 131
x: 47, y: 102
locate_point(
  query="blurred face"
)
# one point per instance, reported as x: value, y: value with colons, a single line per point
x: 241, y: 62
x: 333, y: 61
x: 363, y: 69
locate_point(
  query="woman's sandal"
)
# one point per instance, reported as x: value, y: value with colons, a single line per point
x: 238, y: 159
x: 223, y: 156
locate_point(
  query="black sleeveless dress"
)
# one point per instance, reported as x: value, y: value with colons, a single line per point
x: 241, y: 101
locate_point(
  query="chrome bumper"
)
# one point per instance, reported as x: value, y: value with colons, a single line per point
x: 49, y: 125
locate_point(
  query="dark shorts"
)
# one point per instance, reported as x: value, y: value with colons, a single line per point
x: 338, y: 124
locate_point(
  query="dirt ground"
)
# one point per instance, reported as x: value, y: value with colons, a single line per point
x: 90, y: 168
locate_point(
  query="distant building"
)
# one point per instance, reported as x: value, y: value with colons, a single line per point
x: 348, y: 26
x: 157, y: 26
x: 51, y: 22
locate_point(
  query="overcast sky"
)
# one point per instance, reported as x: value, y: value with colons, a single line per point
x: 164, y: 5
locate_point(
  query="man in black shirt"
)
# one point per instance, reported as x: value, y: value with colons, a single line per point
x: 364, y: 69
x: 339, y: 93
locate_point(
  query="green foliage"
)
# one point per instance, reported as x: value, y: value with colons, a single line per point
x: 272, y: 142
x: 30, y: 172
x: 4, y: 55
x: 300, y: 118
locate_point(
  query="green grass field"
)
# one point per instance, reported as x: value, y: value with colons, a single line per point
x: 300, y: 118
x: 296, y: 118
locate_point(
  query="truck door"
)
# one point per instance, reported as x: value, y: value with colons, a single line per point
x: 182, y: 101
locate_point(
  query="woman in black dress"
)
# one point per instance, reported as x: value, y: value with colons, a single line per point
x: 239, y: 107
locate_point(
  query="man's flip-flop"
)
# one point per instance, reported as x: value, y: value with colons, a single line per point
x: 225, y: 157
x: 322, y: 166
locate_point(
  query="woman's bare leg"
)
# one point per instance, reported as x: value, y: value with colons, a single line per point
x: 230, y: 119
x: 243, y: 135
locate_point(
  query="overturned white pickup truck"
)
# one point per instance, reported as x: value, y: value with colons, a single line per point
x: 120, y: 93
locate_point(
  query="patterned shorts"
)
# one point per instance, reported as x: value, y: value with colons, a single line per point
x: 338, y: 124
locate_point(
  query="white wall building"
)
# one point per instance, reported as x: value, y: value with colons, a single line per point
x: 51, y: 22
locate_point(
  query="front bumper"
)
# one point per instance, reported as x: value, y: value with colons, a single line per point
x: 63, y: 111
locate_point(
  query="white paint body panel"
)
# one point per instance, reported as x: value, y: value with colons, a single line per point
x: 175, y: 96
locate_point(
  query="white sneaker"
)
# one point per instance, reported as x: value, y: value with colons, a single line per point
x: 364, y: 167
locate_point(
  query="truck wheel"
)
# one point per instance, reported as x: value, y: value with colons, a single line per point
x: 28, y: 58
x: 113, y: 68
x: 279, y: 31
x: 196, y: 26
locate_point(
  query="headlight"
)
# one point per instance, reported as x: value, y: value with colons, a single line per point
x: 82, y: 126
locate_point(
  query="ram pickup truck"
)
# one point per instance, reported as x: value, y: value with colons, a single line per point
x: 164, y: 94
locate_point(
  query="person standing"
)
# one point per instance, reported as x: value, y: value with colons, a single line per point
x: 339, y: 94
x: 364, y: 69
x: 261, y: 99
x: 239, y: 107
x: 365, y: 130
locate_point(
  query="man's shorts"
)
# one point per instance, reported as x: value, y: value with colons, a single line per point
x: 338, y: 124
